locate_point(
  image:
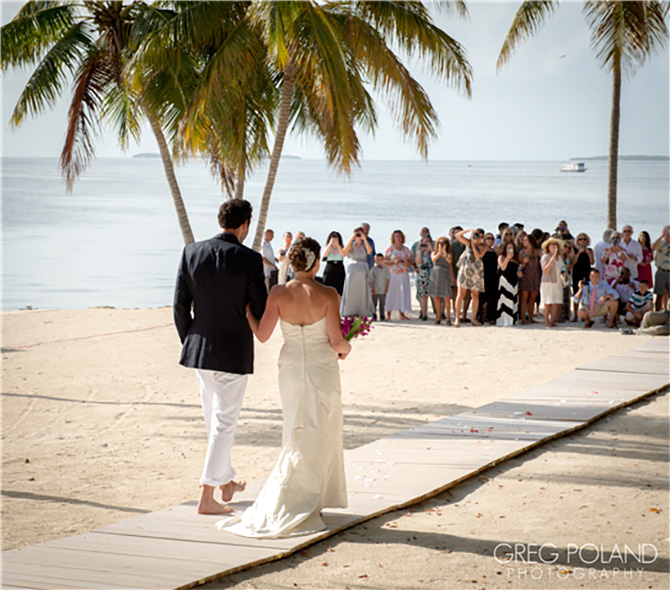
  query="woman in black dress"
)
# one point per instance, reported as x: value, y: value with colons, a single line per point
x: 584, y: 260
x: 489, y: 307
x: 333, y: 255
x: 508, y: 290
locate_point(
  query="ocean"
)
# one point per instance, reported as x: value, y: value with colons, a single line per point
x: 115, y: 241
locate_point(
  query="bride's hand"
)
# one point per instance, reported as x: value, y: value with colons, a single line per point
x: 342, y: 355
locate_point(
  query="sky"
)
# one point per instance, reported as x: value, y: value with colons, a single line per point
x: 550, y: 102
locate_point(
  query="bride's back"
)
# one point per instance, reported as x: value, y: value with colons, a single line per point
x: 301, y: 303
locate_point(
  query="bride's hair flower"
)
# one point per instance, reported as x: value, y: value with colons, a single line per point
x: 354, y: 326
x: 303, y: 254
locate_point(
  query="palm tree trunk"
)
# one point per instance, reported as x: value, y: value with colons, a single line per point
x: 282, y: 128
x: 239, y: 180
x: 182, y: 216
x: 613, y: 168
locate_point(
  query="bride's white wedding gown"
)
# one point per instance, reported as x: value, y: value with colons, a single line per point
x: 309, y: 473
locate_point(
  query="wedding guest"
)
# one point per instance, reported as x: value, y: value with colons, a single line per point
x: 282, y: 259
x: 457, y: 250
x: 501, y: 230
x: 539, y: 235
x: 661, y: 250
x: 424, y: 265
x: 613, y: 258
x: 633, y: 250
x: 566, y: 279
x: 356, y: 296
x: 583, y: 262
x: 441, y: 280
x: 625, y: 287
x: 644, y: 265
x: 656, y: 323
x: 596, y: 298
x: 371, y: 257
x: 270, y: 270
x: 398, y: 258
x: 508, y: 307
x: 551, y: 287
x: 380, y: 279
x: 519, y: 240
x: 531, y: 276
x: 599, y: 248
x: 470, y: 272
x: 333, y: 254
x: 562, y: 229
x: 640, y: 302
x: 506, y: 238
x: 488, y: 310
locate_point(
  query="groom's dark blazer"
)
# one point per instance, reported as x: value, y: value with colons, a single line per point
x: 218, y: 277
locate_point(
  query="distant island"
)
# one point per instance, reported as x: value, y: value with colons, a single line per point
x: 655, y: 158
x: 155, y: 155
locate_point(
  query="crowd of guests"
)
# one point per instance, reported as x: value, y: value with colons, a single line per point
x: 503, y: 278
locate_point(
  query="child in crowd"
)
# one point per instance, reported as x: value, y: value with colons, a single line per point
x: 380, y: 278
x: 639, y: 303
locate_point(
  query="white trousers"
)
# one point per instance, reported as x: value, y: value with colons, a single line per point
x: 222, y: 395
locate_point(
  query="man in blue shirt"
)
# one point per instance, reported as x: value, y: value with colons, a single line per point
x: 371, y: 257
x: 595, y: 299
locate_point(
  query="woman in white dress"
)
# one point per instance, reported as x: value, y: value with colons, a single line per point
x: 399, y: 259
x: 551, y: 288
x: 309, y: 473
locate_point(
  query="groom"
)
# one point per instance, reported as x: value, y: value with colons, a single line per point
x: 217, y: 278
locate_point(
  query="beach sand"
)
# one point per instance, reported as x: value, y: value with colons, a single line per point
x: 100, y: 423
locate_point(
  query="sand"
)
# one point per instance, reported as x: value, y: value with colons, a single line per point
x: 99, y: 423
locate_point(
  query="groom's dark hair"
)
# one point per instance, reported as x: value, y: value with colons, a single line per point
x: 234, y: 212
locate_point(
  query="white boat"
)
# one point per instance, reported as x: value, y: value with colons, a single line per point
x: 573, y: 167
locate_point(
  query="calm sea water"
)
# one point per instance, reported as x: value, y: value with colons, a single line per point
x: 115, y: 240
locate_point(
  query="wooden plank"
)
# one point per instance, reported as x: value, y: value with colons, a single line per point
x: 631, y: 362
x: 658, y: 344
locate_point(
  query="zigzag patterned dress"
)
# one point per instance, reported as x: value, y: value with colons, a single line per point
x: 508, y: 306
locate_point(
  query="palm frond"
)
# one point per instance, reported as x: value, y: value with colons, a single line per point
x: 90, y: 85
x: 36, y: 27
x: 45, y: 85
x: 626, y: 33
x: 122, y: 112
x: 528, y: 20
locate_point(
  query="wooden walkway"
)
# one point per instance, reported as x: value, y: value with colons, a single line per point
x: 176, y: 548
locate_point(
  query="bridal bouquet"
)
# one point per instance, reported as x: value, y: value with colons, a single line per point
x: 355, y: 326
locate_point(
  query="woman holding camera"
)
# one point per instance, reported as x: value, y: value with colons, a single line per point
x: 356, y: 295
x: 470, y: 272
x: 439, y: 286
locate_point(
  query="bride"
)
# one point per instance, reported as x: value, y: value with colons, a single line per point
x: 309, y: 473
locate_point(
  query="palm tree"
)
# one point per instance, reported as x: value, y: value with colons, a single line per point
x: 226, y: 114
x: 624, y: 34
x: 88, y: 40
x: 324, y: 52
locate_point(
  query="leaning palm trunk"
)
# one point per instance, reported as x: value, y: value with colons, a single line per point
x: 182, y: 216
x: 613, y: 167
x: 282, y: 127
x: 239, y: 180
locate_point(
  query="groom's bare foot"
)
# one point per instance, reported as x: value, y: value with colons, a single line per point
x: 231, y: 488
x: 211, y: 506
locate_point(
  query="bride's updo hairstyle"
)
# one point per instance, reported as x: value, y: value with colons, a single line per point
x: 303, y: 254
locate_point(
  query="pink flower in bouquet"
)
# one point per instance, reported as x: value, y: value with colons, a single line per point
x: 355, y: 326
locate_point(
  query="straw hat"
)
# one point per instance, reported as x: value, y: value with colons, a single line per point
x: 557, y: 241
